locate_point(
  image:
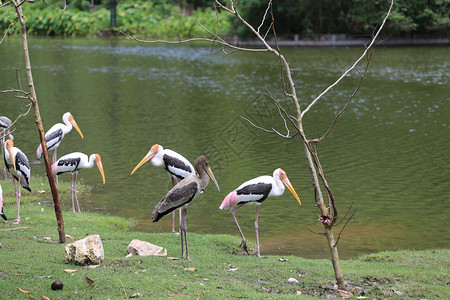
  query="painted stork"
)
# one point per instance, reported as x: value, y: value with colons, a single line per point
x: 176, y: 164
x: 54, y: 136
x: 72, y: 163
x: 1, y: 204
x: 182, y: 194
x: 255, y: 191
x: 19, y: 167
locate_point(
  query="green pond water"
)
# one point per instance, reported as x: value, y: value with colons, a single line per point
x: 389, y: 152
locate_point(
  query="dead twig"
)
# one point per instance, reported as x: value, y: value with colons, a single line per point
x: 345, y: 225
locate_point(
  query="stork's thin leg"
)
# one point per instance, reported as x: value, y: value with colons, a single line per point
x: 256, y: 229
x: 182, y: 240
x: 75, y: 192
x: 184, y: 228
x: 244, y: 241
x: 72, y: 188
x: 17, y: 193
x: 54, y: 159
x: 173, y: 213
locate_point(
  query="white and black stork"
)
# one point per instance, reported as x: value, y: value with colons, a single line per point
x: 174, y: 163
x: 18, y: 166
x: 72, y: 163
x: 255, y: 191
x: 56, y: 133
x: 1, y: 204
x: 182, y: 194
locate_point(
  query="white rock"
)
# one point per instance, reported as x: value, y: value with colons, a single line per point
x: 143, y: 248
x: 87, y: 251
x: 292, y: 280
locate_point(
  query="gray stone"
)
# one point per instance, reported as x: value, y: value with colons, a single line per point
x: 87, y: 251
x: 143, y: 248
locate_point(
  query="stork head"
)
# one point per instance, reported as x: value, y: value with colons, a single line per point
x: 202, y: 164
x: 9, y: 147
x: 154, y: 150
x: 284, y: 179
x: 70, y: 118
x: 98, y: 162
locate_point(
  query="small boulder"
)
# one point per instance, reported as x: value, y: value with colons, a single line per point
x: 142, y: 248
x: 87, y: 251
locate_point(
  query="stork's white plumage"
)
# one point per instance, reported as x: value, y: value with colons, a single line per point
x: 72, y: 163
x: 18, y: 166
x: 255, y: 191
x: 174, y: 163
x: 56, y: 133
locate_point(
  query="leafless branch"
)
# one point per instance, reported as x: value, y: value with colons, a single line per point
x: 352, y: 67
x: 211, y: 40
x: 347, y: 104
x: 269, y: 5
x: 348, y: 210
x: 55, y: 8
x: 315, y: 232
x: 340, y: 232
x: 7, y: 29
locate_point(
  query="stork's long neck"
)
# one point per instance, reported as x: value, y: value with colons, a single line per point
x: 204, y: 178
x: 91, y: 161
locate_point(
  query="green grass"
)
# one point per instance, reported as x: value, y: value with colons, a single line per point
x: 32, y: 258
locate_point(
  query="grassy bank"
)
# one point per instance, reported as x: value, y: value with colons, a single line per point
x: 32, y: 258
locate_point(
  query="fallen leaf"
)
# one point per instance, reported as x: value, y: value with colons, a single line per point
x: 298, y: 292
x: 129, y: 255
x: 189, y: 269
x: 46, y: 298
x: 172, y: 258
x: 283, y: 259
x: 70, y: 271
x: 88, y: 280
x: 23, y: 291
x: 345, y: 294
x: 233, y: 269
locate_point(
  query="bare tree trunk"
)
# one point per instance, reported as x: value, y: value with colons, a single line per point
x: 37, y: 115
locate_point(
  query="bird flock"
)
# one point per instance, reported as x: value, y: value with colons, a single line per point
x: 188, y: 181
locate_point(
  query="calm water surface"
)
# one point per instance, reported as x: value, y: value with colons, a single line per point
x: 388, y: 153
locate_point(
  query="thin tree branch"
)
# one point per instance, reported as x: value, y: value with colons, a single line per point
x: 352, y: 67
x: 63, y: 9
x: 211, y: 40
x: 345, y: 225
x: 347, y: 104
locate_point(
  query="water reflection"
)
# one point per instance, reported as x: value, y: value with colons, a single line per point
x: 388, y: 153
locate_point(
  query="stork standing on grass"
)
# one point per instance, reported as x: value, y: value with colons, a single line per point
x: 182, y: 194
x: 255, y: 191
x: 72, y: 163
x: 18, y: 166
x: 176, y: 164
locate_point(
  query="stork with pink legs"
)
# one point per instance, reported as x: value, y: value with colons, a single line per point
x: 18, y: 166
x: 72, y: 163
x: 255, y: 191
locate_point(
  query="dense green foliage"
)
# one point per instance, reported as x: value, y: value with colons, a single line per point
x: 139, y: 17
x: 166, y: 18
x: 32, y: 258
x: 353, y: 16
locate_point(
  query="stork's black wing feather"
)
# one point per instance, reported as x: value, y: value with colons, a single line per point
x: 178, y: 196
